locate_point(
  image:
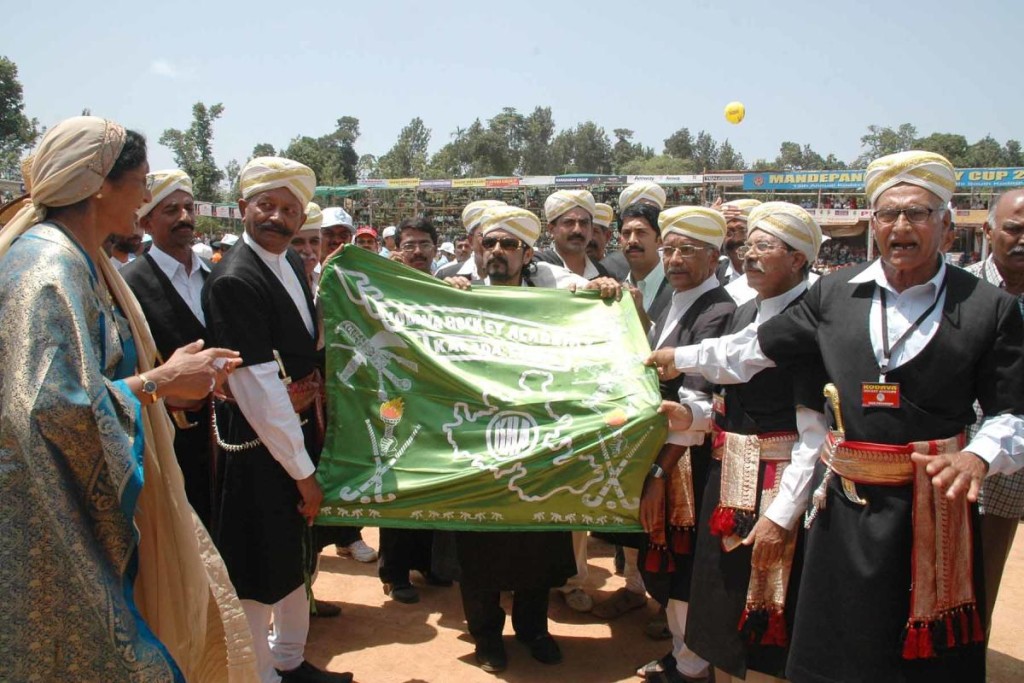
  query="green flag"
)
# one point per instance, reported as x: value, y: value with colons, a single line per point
x: 500, y: 408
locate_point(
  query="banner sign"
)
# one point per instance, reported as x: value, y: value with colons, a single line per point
x: 804, y: 180
x: 668, y: 179
x: 498, y: 408
x: 403, y: 183
x: 501, y: 182
x: 469, y: 182
x: 435, y: 184
x: 537, y: 180
x: 990, y: 177
x: 723, y: 178
x: 222, y: 212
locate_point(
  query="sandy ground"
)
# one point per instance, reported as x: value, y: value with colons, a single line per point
x: 383, y: 641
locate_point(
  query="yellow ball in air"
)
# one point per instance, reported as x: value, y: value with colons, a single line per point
x: 734, y: 112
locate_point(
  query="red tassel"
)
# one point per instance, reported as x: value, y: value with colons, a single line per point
x: 723, y: 521
x: 682, y: 542
x: 776, y: 633
x: 965, y: 634
x: 652, y: 562
x: 978, y: 632
x: 743, y: 620
x: 950, y: 636
x: 925, y: 649
x: 910, y: 643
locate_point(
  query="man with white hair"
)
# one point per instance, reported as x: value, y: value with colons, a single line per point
x: 767, y: 432
x: 259, y: 300
x: 168, y: 282
x: 306, y: 243
x: 570, y: 217
x: 889, y: 591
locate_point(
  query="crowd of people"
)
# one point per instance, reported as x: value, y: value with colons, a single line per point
x: 835, y: 500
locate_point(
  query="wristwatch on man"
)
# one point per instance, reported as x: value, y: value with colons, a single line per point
x: 657, y: 472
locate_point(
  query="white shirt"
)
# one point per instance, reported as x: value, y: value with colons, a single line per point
x: 468, y: 269
x: 699, y: 402
x: 741, y: 291
x: 550, y: 276
x: 188, y: 284
x: 650, y: 284
x: 589, y: 271
x: 735, y: 358
x: 261, y: 394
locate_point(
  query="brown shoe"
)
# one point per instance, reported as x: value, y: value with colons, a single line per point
x: 621, y: 601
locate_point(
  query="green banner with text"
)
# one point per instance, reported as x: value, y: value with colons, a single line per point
x: 497, y: 408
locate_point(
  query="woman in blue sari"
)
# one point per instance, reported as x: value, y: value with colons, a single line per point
x: 76, y: 436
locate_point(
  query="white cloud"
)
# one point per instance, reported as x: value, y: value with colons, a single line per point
x: 162, y: 67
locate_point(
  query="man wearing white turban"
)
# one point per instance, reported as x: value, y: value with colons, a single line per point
x: 258, y: 298
x: 168, y: 282
x: 889, y: 587
x: 769, y: 429
x: 570, y: 217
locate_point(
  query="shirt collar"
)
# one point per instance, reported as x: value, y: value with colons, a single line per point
x: 771, y: 307
x: 681, y: 299
x: 653, y: 278
x: 269, y: 258
x: 170, y: 265
x: 992, y: 273
x: 875, y: 273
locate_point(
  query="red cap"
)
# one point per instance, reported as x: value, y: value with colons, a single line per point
x: 366, y: 230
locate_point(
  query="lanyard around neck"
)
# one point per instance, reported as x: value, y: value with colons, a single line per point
x: 888, y: 350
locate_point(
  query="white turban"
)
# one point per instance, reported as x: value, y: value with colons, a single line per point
x: 161, y: 184
x: 695, y: 222
x: 268, y: 173
x: 566, y: 200
x: 603, y: 215
x: 738, y: 209
x: 314, y: 217
x: 474, y: 210
x: 789, y: 223
x: 642, y: 191
x: 931, y: 171
x: 519, y: 222
x: 335, y: 215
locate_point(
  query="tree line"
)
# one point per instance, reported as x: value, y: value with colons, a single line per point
x: 507, y: 144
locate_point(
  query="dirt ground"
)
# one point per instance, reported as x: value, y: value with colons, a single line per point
x: 383, y: 641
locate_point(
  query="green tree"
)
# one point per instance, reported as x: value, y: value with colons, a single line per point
x: 705, y: 151
x: 949, y: 145
x: 263, y: 149
x: 679, y: 144
x: 625, y: 150
x: 661, y: 164
x: 879, y: 141
x: 231, y: 175
x: 538, y: 133
x: 1013, y: 153
x: 984, y: 153
x: 584, y: 149
x: 728, y: 158
x: 407, y: 158
x: 367, y: 167
x: 17, y: 131
x: 193, y: 150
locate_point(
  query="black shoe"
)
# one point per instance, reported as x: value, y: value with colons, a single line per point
x: 490, y: 655
x: 402, y: 592
x: 543, y: 648
x: 320, y: 608
x: 307, y: 673
x: 620, y: 560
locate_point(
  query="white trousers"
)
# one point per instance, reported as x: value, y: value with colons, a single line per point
x: 279, y: 633
x: 687, y: 661
x: 579, y: 550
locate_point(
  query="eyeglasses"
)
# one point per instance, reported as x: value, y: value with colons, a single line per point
x: 916, y: 215
x: 507, y: 243
x: 422, y: 245
x: 686, y: 251
x: 573, y: 222
x: 760, y: 246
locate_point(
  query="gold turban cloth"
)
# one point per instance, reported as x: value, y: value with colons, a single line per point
x: 474, y: 210
x: 519, y: 222
x: 566, y: 200
x: 603, y: 215
x: 314, y: 217
x: 789, y: 223
x: 695, y: 222
x: 162, y: 184
x: 269, y: 173
x: 642, y: 191
x: 931, y: 171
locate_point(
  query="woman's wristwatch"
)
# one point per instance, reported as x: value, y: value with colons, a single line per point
x: 149, y: 388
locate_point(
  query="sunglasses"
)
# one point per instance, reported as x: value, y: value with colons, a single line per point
x: 507, y: 243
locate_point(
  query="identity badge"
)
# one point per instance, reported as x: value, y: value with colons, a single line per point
x: 880, y: 395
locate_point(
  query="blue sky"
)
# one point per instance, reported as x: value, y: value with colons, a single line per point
x: 811, y: 72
